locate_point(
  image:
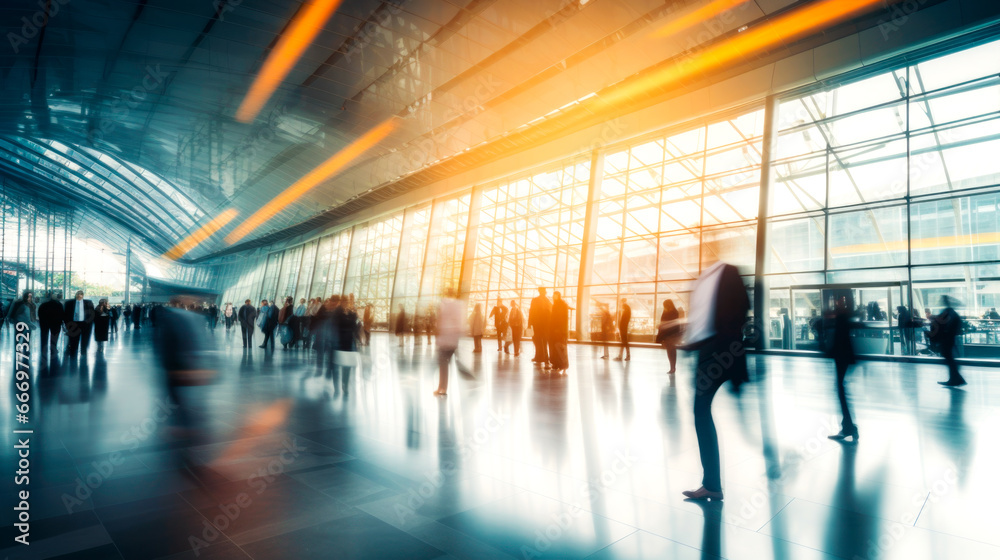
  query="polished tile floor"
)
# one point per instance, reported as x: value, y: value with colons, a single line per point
x: 514, y: 464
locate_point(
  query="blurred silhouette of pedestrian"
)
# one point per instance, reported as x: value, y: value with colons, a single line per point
x: 719, y: 306
x: 945, y: 330
x: 668, y: 332
x: 515, y: 322
x: 476, y: 327
x: 842, y: 351
x: 451, y: 317
x: 607, y: 324
x: 558, y: 335
x: 538, y: 322
x: 624, y: 319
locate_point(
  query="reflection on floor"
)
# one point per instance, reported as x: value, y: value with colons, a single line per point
x: 516, y: 463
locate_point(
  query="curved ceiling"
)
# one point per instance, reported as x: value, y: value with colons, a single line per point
x: 128, y: 106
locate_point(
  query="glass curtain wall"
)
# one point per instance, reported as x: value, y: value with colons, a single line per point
x: 530, y: 236
x: 890, y: 183
x: 664, y: 198
x: 371, y: 271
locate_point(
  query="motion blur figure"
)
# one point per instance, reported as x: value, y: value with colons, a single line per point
x: 606, y: 325
x: 476, y: 325
x: 842, y: 352
x: 719, y: 306
x: 515, y: 322
x: 668, y: 332
x: 50, y: 316
x: 538, y: 322
x: 185, y: 365
x: 450, y: 328
x: 558, y: 335
x: 945, y: 330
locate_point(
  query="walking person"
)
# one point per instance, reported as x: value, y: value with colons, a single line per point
x: 285, y: 315
x: 136, y: 316
x: 558, y: 335
x: 246, y: 317
x: 366, y: 323
x: 624, y: 318
x: 719, y: 306
x: 50, y: 318
x: 116, y: 311
x: 345, y: 320
x: 213, y: 316
x: 945, y: 330
x: 401, y: 325
x: 78, y: 315
x: 515, y: 324
x: 842, y: 352
x: 229, y: 315
x: 127, y: 316
x: 268, y: 321
x: 668, y: 332
x: 102, y: 323
x: 607, y: 324
x: 451, y: 317
x: 298, y: 322
x: 499, y: 315
x: 538, y: 322
x: 24, y: 311
x: 477, y: 326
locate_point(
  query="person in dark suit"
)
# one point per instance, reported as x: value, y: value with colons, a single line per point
x: 558, y: 335
x: 607, y: 324
x: 116, y: 312
x: 842, y: 352
x: 538, y: 322
x: 78, y: 315
x: 624, y: 318
x: 50, y: 317
x: 945, y: 331
x: 719, y: 306
x: 668, y: 331
x: 246, y: 316
x: 905, y: 332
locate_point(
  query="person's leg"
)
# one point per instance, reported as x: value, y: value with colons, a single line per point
x: 672, y: 357
x: 948, y: 353
x: 45, y: 337
x: 625, y: 346
x: 444, y: 362
x: 709, y: 378
x: 85, y: 338
x: 848, y: 422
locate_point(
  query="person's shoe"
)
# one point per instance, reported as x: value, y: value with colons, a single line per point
x: 440, y: 393
x: 618, y: 358
x: 702, y: 494
x: 604, y: 357
x: 628, y: 358
x: 950, y: 384
x: 261, y: 346
x: 671, y: 372
x: 843, y: 435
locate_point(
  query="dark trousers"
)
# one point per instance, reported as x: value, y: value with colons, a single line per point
x: 515, y: 339
x: 848, y: 422
x: 948, y: 353
x: 247, y: 329
x: 672, y: 356
x: 708, y: 379
x: 478, y: 341
x: 53, y: 331
x: 269, y: 335
x: 623, y: 333
x: 541, y: 346
x: 79, y: 337
x: 501, y: 332
x: 114, y: 325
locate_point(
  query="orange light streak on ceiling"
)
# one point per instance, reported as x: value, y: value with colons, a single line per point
x: 308, y: 181
x: 697, y: 16
x: 286, y: 53
x: 783, y: 29
x: 201, y: 234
